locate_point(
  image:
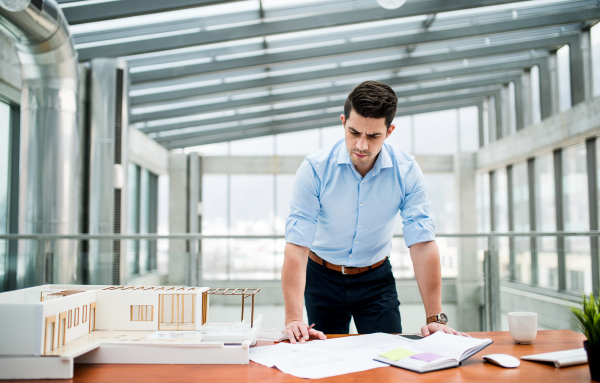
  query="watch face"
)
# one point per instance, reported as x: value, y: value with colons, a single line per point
x: 443, y: 318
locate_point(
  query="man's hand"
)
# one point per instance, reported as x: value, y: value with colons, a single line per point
x: 299, y: 331
x: 434, y: 327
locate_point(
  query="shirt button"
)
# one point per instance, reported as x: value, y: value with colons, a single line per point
x: 361, y: 204
x: 362, y: 182
x: 350, y: 255
x: 355, y: 241
x: 359, y: 225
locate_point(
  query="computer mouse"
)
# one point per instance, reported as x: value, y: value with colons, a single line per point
x: 502, y: 360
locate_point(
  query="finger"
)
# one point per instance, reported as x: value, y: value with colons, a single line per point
x: 303, y: 332
x: 425, y: 331
x: 290, y: 334
x: 314, y: 334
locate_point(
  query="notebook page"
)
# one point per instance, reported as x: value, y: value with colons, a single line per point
x: 451, y: 346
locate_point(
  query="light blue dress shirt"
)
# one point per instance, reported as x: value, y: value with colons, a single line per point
x: 349, y: 220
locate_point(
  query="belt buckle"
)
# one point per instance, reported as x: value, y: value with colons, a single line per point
x: 343, y: 270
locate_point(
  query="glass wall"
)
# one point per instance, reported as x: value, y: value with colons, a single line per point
x: 521, y: 246
x: 576, y: 216
x: 564, y: 78
x: 142, y: 219
x: 259, y: 204
x: 595, y: 40
x: 500, y: 219
x: 545, y: 209
x: 4, y: 174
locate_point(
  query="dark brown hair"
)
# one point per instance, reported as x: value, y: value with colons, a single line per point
x: 372, y: 99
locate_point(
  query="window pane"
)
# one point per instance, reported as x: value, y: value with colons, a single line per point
x: 545, y: 210
x: 564, y: 78
x: 435, y: 133
x: 4, y: 173
x: 441, y: 193
x: 298, y: 143
x: 260, y: 146
x: 482, y: 203
x: 331, y: 135
x: 401, y: 137
x: 133, y: 217
x: 215, y: 221
x: 144, y: 219
x: 252, y: 213
x: 575, y: 200
x: 501, y: 219
x: 536, y: 112
x: 520, y: 196
x: 595, y: 35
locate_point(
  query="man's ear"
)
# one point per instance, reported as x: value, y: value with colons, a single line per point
x: 343, y: 118
x: 390, y: 130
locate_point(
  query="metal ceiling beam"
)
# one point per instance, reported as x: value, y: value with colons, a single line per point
x: 329, y: 36
x: 362, y: 46
x: 414, y: 92
x: 547, y: 43
x: 330, y: 75
x: 505, y: 66
x: 328, y: 91
x: 216, y: 21
x: 111, y: 10
x: 403, y: 107
x: 259, y: 132
x: 283, y: 26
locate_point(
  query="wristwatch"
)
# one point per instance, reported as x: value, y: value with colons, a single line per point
x: 439, y: 318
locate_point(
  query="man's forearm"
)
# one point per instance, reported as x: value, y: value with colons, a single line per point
x: 428, y: 272
x: 293, y: 281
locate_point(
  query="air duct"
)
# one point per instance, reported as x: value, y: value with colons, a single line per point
x: 49, y: 153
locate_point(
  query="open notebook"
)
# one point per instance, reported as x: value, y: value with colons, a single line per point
x: 435, y: 352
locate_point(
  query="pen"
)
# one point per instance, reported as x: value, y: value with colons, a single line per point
x: 311, y: 326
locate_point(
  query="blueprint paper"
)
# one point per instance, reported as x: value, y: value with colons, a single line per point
x: 325, y: 358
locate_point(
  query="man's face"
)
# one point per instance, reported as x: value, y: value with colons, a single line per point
x: 364, y: 139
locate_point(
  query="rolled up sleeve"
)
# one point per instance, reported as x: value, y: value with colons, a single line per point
x: 414, y: 209
x: 301, y: 225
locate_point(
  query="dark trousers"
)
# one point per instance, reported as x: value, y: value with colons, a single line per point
x: 332, y: 298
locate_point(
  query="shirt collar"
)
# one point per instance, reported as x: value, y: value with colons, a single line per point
x: 343, y: 156
x: 383, y: 160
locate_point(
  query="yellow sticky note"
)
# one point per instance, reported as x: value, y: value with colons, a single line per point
x: 397, y: 354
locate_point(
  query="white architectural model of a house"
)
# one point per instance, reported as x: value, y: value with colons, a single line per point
x: 44, y: 328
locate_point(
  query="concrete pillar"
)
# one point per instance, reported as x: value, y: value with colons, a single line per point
x: 527, y: 101
x: 586, y: 63
x: 184, y: 217
x: 178, y: 207
x: 552, y: 80
x: 546, y: 100
x: 580, y: 68
x: 467, y: 283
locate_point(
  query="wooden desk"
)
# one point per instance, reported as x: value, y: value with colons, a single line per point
x: 473, y: 370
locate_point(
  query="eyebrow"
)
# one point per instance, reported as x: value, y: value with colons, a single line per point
x: 370, y: 135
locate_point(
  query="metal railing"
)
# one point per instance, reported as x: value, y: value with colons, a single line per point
x: 491, y: 265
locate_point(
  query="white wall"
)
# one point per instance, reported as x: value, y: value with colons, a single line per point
x: 18, y: 329
x: 64, y: 304
x: 114, y: 308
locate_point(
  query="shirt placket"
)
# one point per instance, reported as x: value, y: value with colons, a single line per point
x: 358, y: 227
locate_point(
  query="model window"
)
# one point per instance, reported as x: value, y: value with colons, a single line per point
x: 142, y: 313
x: 84, y: 314
x: 76, y: 319
x: 70, y: 318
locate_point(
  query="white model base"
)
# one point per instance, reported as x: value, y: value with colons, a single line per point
x: 203, y: 353
x: 35, y: 367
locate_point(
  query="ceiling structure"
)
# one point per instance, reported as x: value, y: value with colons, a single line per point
x: 207, y: 71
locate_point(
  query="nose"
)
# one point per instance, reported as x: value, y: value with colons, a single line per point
x: 362, y: 143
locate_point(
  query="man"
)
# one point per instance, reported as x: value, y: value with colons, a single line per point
x: 339, y: 233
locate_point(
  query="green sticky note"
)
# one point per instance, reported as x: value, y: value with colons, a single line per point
x: 397, y: 354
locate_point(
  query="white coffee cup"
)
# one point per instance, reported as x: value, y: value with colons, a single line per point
x: 522, y: 326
